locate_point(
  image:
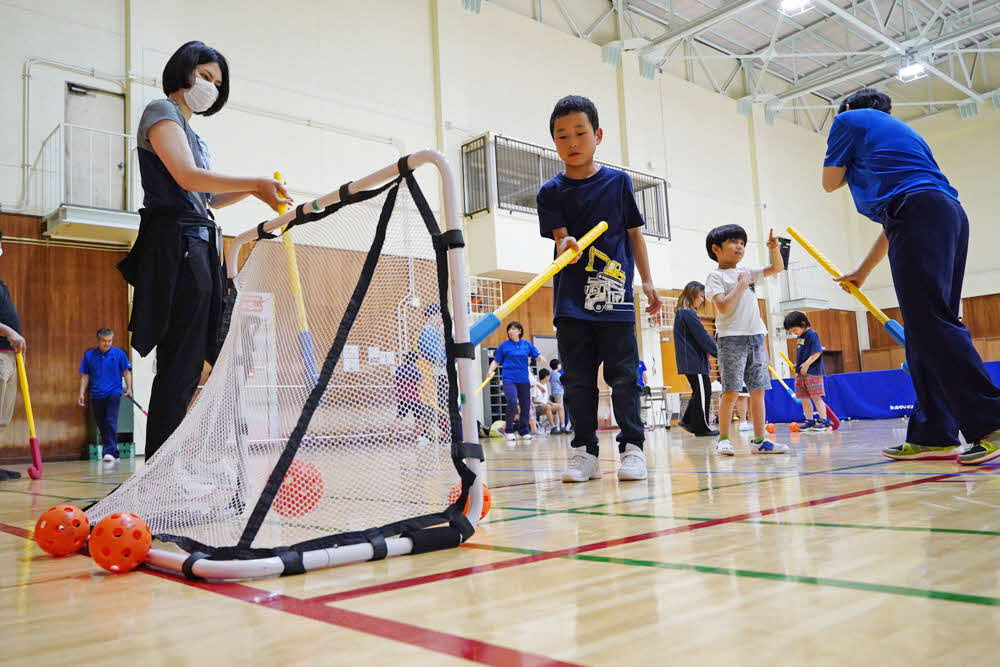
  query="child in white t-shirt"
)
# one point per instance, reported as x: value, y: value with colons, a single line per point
x: 740, y: 329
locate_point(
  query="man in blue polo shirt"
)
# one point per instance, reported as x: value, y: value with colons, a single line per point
x: 896, y: 182
x: 102, y: 369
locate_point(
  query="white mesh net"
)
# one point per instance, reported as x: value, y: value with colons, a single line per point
x: 378, y: 447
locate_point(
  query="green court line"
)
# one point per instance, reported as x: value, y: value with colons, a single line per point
x: 767, y: 522
x: 798, y: 579
x: 772, y: 576
x: 679, y: 493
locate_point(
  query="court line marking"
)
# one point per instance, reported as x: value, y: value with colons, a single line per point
x: 690, y: 491
x: 820, y: 524
x: 604, y: 544
x: 771, y: 576
x: 457, y: 646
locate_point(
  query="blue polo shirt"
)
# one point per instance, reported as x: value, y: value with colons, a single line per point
x: 514, y: 359
x: 884, y: 157
x: 599, y: 286
x: 807, y: 345
x: 105, y: 371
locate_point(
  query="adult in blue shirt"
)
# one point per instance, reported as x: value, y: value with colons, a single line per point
x: 925, y: 232
x: 102, y: 370
x: 513, y: 354
x: 692, y: 347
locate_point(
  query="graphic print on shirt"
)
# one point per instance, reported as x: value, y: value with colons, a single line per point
x: 605, y: 288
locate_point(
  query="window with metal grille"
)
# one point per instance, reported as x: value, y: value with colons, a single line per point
x: 522, y: 169
x: 475, y: 185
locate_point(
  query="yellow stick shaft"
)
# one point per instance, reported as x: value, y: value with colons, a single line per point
x: 778, y: 377
x: 836, y: 273
x: 787, y: 361
x: 485, y: 382
x: 22, y: 377
x: 292, y: 265
x: 555, y: 267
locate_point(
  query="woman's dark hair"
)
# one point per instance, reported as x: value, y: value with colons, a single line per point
x: 544, y: 373
x: 178, y: 70
x: 516, y: 325
x: 720, y: 235
x: 867, y: 98
x: 688, y: 296
x: 554, y: 363
x: 796, y: 318
x: 573, y: 104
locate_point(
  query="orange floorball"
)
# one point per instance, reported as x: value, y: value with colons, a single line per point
x: 62, y: 530
x: 300, y: 491
x: 769, y: 428
x: 793, y: 427
x: 120, y: 542
x: 456, y: 491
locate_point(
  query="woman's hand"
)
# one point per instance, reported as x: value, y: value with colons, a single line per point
x: 272, y: 193
x: 856, y: 278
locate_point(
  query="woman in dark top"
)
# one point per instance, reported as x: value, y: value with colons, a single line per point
x: 692, y: 345
x: 175, y: 264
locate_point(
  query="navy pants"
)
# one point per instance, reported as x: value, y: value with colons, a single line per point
x: 583, y: 347
x: 518, y: 394
x: 106, y: 415
x: 928, y: 236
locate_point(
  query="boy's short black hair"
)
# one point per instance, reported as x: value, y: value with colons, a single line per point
x: 867, y: 98
x: 573, y: 104
x: 720, y: 235
x: 554, y: 363
x: 796, y: 318
x: 544, y: 373
x: 177, y: 71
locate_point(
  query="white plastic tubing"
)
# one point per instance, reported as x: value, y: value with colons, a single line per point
x: 397, y: 546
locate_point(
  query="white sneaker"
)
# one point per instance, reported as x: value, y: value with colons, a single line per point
x: 725, y: 447
x: 108, y: 458
x: 510, y: 436
x: 633, y: 464
x: 582, y: 467
x: 746, y: 426
x: 526, y: 437
x: 768, y: 447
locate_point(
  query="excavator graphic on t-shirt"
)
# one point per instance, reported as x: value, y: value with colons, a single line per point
x: 605, y: 288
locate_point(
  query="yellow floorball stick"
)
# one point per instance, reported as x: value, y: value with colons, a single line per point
x: 488, y: 324
x: 777, y: 377
x: 35, y: 470
x: 292, y: 264
x: 892, y: 327
x: 834, y: 419
x: 485, y: 382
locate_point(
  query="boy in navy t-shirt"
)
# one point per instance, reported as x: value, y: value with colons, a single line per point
x: 925, y: 232
x: 808, y: 371
x: 593, y: 299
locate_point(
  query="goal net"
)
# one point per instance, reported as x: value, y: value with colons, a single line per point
x: 329, y: 430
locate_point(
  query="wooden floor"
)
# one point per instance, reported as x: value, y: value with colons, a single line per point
x: 829, y: 556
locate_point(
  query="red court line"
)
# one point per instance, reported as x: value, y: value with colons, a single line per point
x: 549, y: 555
x: 432, y: 640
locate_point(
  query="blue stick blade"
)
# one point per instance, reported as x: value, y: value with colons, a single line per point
x: 481, y: 330
x: 895, y: 329
x: 308, y: 354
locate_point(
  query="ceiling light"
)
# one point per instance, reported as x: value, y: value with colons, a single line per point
x: 911, y: 72
x: 795, y: 7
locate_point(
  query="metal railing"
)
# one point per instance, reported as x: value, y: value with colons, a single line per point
x: 85, y: 166
x: 521, y: 168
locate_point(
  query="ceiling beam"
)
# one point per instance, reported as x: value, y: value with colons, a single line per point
x: 704, y: 22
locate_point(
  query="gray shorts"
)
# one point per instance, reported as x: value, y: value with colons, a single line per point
x: 743, y: 361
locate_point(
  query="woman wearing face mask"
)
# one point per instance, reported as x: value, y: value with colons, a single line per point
x: 175, y: 264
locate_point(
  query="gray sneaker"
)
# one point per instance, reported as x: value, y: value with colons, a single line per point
x: 633, y: 466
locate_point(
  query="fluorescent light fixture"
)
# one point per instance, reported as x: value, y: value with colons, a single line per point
x: 795, y: 7
x: 611, y: 53
x: 474, y: 6
x: 911, y: 72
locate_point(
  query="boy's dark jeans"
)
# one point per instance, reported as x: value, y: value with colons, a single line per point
x: 583, y: 347
x: 928, y: 236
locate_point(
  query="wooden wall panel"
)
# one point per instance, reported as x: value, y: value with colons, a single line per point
x: 63, y: 293
x: 535, y: 315
x: 981, y: 314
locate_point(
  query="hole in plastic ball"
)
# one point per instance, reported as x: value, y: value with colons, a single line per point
x: 106, y: 551
x: 118, y: 532
x: 136, y: 534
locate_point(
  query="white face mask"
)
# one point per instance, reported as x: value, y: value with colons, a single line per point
x: 201, y: 95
